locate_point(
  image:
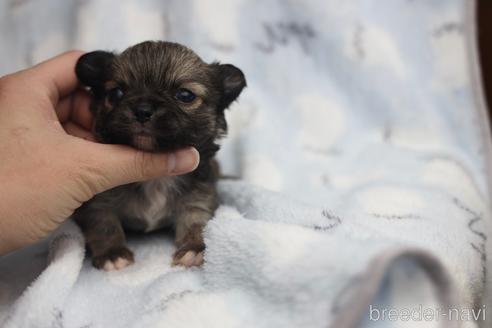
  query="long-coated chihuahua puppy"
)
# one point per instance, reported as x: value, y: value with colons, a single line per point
x: 157, y: 97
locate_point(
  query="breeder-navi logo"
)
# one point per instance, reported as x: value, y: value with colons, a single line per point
x: 422, y: 313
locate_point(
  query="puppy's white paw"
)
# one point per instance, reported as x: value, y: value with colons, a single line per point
x: 117, y: 264
x: 114, y: 259
x: 189, y: 259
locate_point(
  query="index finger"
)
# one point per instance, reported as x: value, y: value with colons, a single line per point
x: 75, y: 108
x: 58, y: 74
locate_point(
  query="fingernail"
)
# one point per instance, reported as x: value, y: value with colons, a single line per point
x: 183, y: 161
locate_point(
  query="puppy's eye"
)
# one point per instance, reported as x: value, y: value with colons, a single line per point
x: 185, y: 95
x: 115, y: 95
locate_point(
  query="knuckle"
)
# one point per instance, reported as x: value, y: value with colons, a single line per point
x: 144, y: 164
x: 83, y: 189
x: 141, y: 168
x: 87, y: 180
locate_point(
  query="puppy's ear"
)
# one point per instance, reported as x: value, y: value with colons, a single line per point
x: 94, y: 68
x: 233, y: 82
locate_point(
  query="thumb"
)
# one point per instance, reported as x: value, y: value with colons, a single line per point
x: 109, y: 166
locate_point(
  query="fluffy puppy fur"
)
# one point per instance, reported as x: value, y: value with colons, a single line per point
x: 157, y: 97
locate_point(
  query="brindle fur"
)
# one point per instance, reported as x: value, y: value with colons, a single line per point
x: 150, y: 73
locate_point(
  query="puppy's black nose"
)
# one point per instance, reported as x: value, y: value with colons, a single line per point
x: 143, y: 112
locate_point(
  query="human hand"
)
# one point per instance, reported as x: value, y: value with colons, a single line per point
x: 48, y: 164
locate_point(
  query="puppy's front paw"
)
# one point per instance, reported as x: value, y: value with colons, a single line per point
x: 188, y: 258
x: 114, y: 259
x: 190, y: 247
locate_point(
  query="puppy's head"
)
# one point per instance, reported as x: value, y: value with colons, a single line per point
x: 159, y: 96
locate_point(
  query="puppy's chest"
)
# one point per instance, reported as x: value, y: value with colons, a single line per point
x: 151, y: 205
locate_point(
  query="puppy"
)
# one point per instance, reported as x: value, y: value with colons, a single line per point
x: 157, y: 97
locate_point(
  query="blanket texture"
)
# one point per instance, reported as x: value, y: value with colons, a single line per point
x: 362, y: 150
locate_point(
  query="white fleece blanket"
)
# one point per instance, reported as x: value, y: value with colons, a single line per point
x: 362, y: 147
